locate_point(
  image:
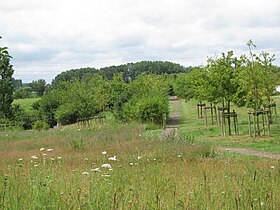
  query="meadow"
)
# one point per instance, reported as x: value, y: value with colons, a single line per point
x: 126, y: 166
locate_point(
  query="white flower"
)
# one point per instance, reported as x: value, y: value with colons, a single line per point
x: 49, y: 150
x: 104, y: 153
x: 95, y: 170
x: 52, y: 159
x: 44, y: 154
x: 262, y: 203
x: 42, y: 149
x: 20, y: 159
x: 139, y: 157
x: 59, y: 158
x: 35, y: 165
x: 85, y: 173
x: 105, y: 175
x: 272, y: 167
x: 34, y: 157
x: 79, y: 129
x: 106, y: 165
x: 86, y: 159
x: 112, y: 158
x: 131, y: 164
x: 179, y: 156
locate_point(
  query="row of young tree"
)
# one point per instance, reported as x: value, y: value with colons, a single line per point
x: 248, y: 80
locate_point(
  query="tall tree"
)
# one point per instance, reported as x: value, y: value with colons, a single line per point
x: 6, y: 83
x: 39, y: 86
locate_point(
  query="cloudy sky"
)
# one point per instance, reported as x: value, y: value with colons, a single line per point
x: 47, y: 37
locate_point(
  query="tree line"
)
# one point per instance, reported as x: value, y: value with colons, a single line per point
x: 139, y: 91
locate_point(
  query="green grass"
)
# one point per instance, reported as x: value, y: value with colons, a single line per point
x: 149, y: 172
x: 26, y: 103
x: 211, y: 134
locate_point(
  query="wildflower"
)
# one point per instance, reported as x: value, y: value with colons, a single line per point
x: 52, y: 159
x: 49, y: 150
x: 140, y: 135
x: 139, y: 157
x: 112, y: 158
x: 44, y: 154
x: 86, y: 159
x: 34, y: 157
x: 42, y: 149
x: 20, y: 159
x: 35, y: 165
x: 179, y: 156
x: 105, y: 175
x: 262, y: 203
x: 95, y: 170
x: 59, y: 158
x: 85, y: 173
x: 106, y: 165
x: 272, y: 167
x: 104, y: 153
x: 79, y: 129
x: 131, y: 164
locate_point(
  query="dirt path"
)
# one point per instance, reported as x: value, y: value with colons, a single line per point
x: 174, y: 118
x: 250, y: 152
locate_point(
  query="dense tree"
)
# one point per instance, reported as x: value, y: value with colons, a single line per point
x: 6, y: 83
x: 39, y: 86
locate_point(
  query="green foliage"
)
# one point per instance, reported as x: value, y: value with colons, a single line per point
x: 148, y: 99
x: 47, y: 106
x: 24, y: 92
x: 40, y: 125
x: 192, y: 85
x: 6, y: 83
x: 73, y: 75
x: 258, y: 78
x: 39, y: 87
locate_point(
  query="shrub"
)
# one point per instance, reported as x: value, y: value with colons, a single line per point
x: 40, y: 125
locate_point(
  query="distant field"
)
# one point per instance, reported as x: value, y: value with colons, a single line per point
x: 26, y: 103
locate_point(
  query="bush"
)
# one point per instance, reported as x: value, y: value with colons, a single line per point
x: 147, y: 109
x: 40, y: 125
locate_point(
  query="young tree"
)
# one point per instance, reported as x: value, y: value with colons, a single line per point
x: 6, y: 83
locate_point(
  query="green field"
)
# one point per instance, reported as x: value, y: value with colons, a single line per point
x: 26, y: 103
x: 64, y: 168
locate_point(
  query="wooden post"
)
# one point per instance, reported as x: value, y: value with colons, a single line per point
x: 197, y: 111
x: 268, y: 128
x: 263, y: 124
x: 249, y: 122
x: 215, y: 110
x: 205, y: 116
x: 254, y: 125
x: 164, y: 121
x: 211, y: 108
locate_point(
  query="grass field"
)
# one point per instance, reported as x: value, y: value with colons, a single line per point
x: 124, y: 166
x: 26, y: 103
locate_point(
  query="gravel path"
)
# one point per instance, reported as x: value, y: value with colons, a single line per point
x: 250, y: 152
x: 174, y: 119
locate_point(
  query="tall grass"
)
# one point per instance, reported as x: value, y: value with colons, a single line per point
x: 147, y: 174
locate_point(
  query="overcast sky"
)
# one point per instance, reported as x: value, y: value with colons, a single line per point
x: 46, y: 37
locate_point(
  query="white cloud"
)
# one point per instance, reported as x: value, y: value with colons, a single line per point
x: 48, y: 36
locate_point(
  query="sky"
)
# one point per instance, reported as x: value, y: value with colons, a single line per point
x: 47, y: 37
